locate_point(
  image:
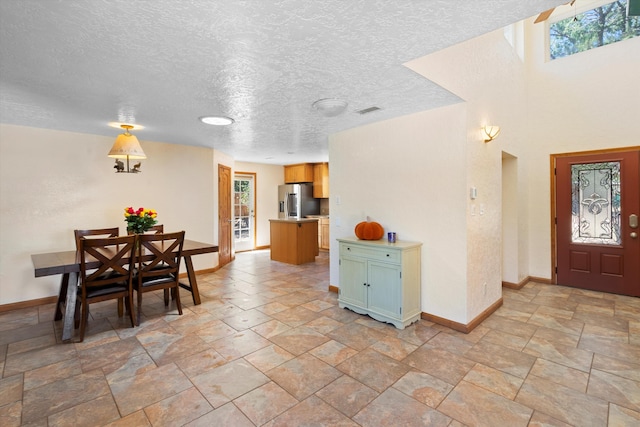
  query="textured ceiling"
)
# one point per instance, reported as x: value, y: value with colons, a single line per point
x: 78, y: 64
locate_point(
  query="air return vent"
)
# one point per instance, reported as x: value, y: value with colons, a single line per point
x: 368, y: 110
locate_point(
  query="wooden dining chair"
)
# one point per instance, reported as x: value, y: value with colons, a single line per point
x: 159, y: 266
x: 156, y: 229
x: 93, y: 233
x: 106, y: 272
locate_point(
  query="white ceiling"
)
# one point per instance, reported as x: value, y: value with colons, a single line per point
x: 78, y: 64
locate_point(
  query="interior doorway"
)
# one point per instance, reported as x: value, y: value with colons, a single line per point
x: 597, y: 203
x: 510, y: 233
x: 244, y: 212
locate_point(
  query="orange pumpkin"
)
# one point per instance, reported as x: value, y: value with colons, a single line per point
x: 369, y: 231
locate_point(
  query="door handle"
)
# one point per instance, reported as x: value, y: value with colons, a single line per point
x: 633, y: 223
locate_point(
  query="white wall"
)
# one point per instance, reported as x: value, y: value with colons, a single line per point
x: 402, y: 173
x: 584, y: 102
x: 587, y: 101
x: 52, y: 182
x: 510, y: 252
x: 268, y: 177
x: 411, y: 174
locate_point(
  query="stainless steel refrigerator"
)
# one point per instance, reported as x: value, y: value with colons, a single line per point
x: 295, y: 201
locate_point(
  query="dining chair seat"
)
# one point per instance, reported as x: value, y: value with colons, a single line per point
x: 155, y: 280
x: 106, y: 290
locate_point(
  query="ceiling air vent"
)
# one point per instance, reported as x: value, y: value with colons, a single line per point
x: 368, y: 110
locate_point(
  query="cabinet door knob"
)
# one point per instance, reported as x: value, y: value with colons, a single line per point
x: 387, y: 254
x: 364, y: 284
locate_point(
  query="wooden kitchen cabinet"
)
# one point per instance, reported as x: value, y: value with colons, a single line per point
x: 321, y: 180
x: 381, y: 279
x: 323, y: 233
x: 302, y: 172
x: 294, y: 241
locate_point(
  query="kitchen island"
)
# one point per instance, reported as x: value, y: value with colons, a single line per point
x: 294, y: 241
x: 323, y: 231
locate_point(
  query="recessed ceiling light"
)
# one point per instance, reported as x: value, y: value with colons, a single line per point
x: 216, y: 120
x: 330, y: 107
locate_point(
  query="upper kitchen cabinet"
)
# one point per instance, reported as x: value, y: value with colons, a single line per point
x: 321, y: 180
x: 299, y: 173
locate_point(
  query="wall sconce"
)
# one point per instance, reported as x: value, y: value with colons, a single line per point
x: 126, y: 147
x: 490, y: 132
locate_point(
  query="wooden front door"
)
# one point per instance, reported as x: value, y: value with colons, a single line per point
x: 224, y: 215
x: 597, y: 208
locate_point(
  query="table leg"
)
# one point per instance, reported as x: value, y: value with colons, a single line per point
x: 62, y: 296
x: 193, y: 284
x: 70, y: 308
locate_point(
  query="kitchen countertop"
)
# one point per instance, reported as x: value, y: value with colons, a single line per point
x: 294, y: 220
x: 317, y: 216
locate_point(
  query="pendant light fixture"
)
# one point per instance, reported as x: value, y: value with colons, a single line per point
x: 126, y: 147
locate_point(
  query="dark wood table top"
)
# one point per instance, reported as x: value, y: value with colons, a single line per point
x: 52, y: 263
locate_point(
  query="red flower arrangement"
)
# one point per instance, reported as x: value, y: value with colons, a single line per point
x: 141, y: 220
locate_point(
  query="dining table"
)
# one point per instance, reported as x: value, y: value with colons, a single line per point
x: 67, y: 263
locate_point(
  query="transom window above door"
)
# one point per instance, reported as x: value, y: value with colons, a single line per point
x: 600, y: 26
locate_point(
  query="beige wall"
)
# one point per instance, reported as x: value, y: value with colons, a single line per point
x: 391, y: 170
x: 403, y: 174
x: 587, y: 101
x: 512, y: 258
x: 411, y: 174
x: 268, y: 177
x: 53, y: 182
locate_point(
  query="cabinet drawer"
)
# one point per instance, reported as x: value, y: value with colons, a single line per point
x: 380, y: 254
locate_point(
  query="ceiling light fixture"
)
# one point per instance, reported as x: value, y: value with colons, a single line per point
x: 216, y: 120
x: 118, y: 125
x: 490, y: 132
x: 330, y: 107
x: 126, y: 147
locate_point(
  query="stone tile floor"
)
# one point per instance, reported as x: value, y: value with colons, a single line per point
x: 269, y: 346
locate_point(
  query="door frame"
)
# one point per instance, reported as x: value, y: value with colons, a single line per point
x: 552, y: 212
x: 254, y: 177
